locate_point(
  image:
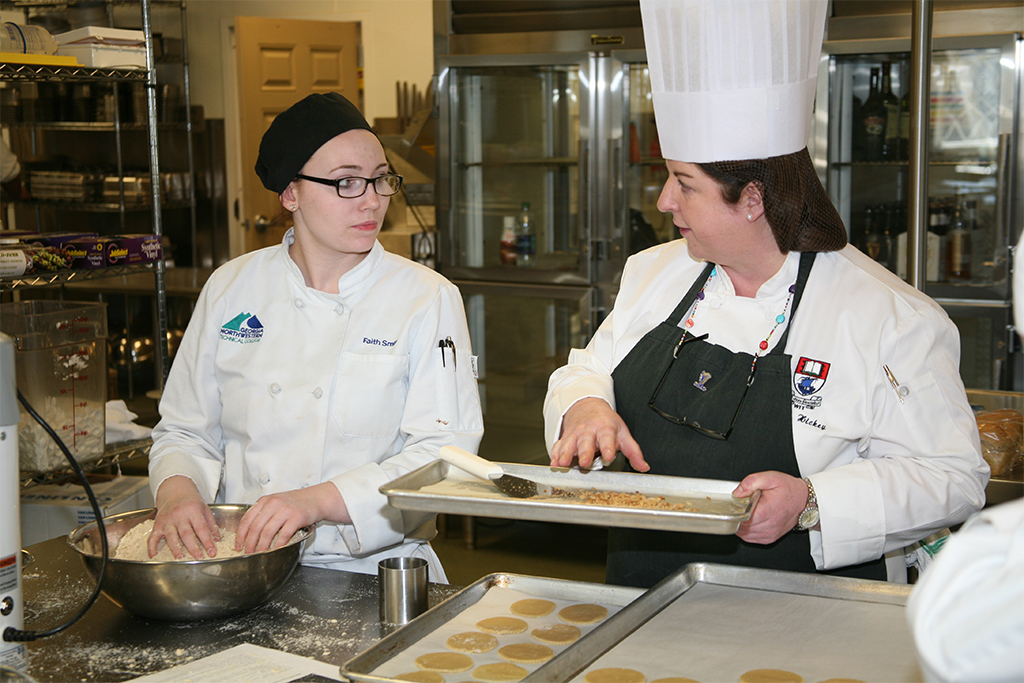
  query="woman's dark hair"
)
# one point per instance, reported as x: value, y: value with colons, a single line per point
x: 800, y: 213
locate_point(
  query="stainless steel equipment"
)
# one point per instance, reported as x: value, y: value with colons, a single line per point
x: 972, y: 164
x: 707, y: 504
x: 12, y: 610
x: 408, y: 641
x: 201, y: 589
x: 706, y: 622
x: 560, y: 121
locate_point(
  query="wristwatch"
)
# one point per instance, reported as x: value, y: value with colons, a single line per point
x: 809, y: 517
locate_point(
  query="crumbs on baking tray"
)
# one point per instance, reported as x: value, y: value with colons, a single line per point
x: 620, y: 499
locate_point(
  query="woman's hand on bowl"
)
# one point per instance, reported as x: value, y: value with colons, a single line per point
x: 280, y: 515
x: 183, y: 520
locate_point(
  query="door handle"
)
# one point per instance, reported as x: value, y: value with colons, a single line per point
x: 262, y: 223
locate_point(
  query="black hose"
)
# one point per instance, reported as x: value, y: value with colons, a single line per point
x: 14, y: 635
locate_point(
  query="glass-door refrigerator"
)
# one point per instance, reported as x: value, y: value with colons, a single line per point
x: 569, y: 137
x: 974, y: 174
x: 517, y: 157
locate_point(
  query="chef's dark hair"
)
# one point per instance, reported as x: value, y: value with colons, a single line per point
x: 798, y: 209
x: 299, y: 131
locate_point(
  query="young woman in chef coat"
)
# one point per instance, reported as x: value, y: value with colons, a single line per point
x: 318, y: 370
x: 761, y: 348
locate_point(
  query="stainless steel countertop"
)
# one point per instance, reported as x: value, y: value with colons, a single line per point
x: 323, y: 614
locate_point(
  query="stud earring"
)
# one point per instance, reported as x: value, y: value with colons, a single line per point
x: 293, y: 207
x: 750, y: 216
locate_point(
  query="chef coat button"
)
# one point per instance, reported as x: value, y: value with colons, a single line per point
x: 339, y: 309
x: 275, y: 388
x: 716, y: 303
x: 299, y: 303
x: 769, y: 315
x: 318, y: 392
x: 264, y: 478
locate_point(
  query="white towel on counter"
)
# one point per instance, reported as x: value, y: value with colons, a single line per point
x: 119, y: 425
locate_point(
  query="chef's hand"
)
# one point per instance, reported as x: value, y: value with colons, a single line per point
x: 782, y: 500
x: 590, y: 428
x: 282, y: 514
x: 183, y: 520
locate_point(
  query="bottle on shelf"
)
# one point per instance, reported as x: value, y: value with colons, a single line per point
x: 958, y: 243
x: 526, y: 238
x: 877, y: 239
x: 508, y: 241
x: 873, y: 120
x: 891, y: 104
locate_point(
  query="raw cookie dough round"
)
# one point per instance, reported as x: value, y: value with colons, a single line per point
x: 473, y: 642
x: 614, y: 675
x: 503, y: 626
x: 444, y: 662
x: 532, y: 607
x: 583, y: 614
x: 526, y: 653
x: 502, y: 671
x: 556, y: 634
x: 771, y: 676
x: 421, y: 677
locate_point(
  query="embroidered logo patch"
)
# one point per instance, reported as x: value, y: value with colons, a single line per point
x: 808, y: 379
x: 702, y: 380
x: 244, y: 328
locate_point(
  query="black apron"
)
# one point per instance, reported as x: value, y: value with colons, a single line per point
x: 705, y: 385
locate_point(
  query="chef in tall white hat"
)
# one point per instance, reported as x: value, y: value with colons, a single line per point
x: 762, y: 348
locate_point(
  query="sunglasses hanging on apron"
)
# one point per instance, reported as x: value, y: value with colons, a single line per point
x: 699, y: 410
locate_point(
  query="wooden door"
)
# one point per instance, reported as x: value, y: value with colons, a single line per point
x: 280, y: 61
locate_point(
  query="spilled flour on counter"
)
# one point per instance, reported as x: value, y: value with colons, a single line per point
x: 133, y: 546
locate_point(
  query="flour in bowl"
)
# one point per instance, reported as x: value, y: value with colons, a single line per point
x: 133, y: 546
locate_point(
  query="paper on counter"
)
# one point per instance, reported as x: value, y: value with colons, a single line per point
x: 245, y: 664
x: 716, y: 633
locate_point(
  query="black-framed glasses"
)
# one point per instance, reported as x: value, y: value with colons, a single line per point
x: 351, y: 187
x: 687, y: 422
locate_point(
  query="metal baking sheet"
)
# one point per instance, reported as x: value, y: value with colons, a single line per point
x: 714, y: 622
x: 362, y: 666
x: 439, y: 487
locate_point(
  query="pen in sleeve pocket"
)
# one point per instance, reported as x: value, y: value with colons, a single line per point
x: 895, y: 385
x: 455, y: 358
x: 447, y: 343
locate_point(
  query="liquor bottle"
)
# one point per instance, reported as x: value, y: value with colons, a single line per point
x: 891, y: 137
x: 958, y: 246
x: 508, y: 241
x: 526, y: 238
x: 873, y: 120
x: 872, y: 236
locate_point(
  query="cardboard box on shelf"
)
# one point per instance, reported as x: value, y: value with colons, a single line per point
x: 57, y: 509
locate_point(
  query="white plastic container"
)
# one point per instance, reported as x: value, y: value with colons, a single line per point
x: 111, y: 56
x: 101, y: 46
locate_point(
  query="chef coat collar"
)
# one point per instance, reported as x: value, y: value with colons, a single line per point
x: 777, y: 285
x: 349, y: 282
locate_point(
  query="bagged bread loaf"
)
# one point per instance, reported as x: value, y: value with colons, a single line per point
x: 1002, y: 438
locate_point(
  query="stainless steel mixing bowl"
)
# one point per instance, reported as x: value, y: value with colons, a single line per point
x: 188, y: 590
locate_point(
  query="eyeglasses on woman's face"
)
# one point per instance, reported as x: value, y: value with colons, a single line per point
x: 351, y: 187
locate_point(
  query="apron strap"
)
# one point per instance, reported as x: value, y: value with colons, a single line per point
x: 806, y: 261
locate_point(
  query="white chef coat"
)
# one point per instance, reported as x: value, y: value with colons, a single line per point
x: 967, y: 610
x: 277, y: 386
x: 886, y: 473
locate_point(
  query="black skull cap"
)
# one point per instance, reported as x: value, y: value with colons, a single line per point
x: 299, y: 131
